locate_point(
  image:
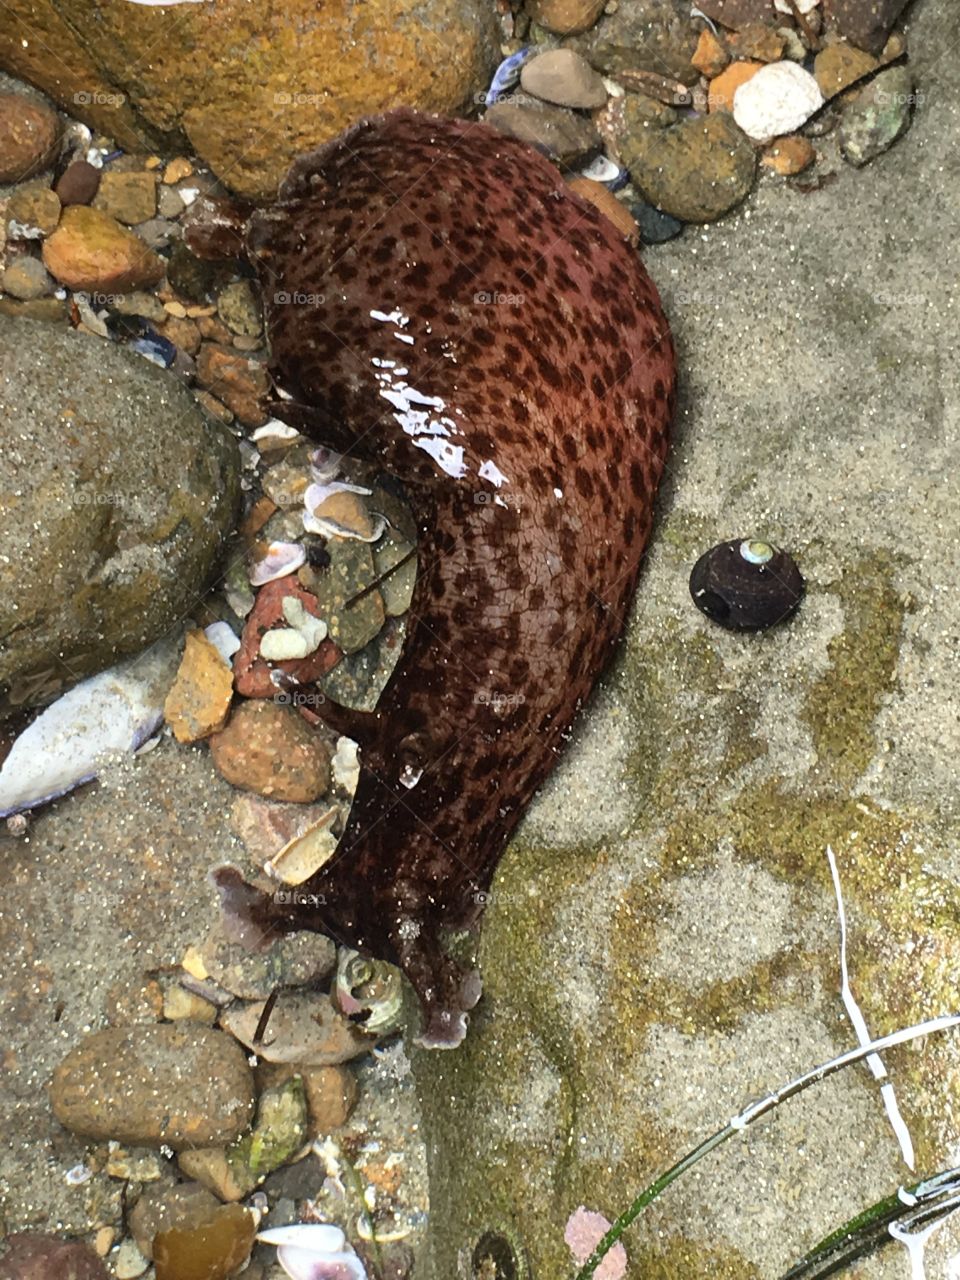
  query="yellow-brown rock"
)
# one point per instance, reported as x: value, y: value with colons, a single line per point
x: 90, y: 250
x: 249, y: 85
x: 839, y: 65
x: 608, y: 204
x: 710, y: 56
x: 199, y: 702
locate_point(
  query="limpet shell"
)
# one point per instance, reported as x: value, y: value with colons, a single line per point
x: 305, y: 854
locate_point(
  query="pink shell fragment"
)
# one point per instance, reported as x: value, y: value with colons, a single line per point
x: 584, y: 1230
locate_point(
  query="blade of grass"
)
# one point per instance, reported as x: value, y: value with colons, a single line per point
x: 748, y: 1116
x: 911, y: 1207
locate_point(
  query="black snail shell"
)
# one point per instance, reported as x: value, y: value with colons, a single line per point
x: 746, y: 584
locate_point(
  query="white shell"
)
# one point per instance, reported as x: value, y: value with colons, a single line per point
x: 346, y: 765
x: 318, y: 493
x: 805, y: 6
x: 304, y: 854
x: 280, y: 559
x: 274, y: 429
x: 114, y: 711
x: 314, y: 1251
x: 777, y: 100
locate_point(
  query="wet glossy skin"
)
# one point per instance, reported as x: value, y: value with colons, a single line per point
x: 529, y: 431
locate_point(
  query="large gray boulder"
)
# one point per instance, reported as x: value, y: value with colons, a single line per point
x: 116, y: 496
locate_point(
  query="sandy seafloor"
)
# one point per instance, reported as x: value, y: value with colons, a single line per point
x: 833, y: 311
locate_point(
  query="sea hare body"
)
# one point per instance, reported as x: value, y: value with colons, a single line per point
x: 438, y: 300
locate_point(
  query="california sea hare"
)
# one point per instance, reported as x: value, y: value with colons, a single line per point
x: 438, y: 300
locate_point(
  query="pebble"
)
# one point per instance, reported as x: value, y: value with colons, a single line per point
x: 758, y: 42
x: 182, y: 333
x: 566, y: 17
x: 655, y: 226
x: 649, y: 35
x: 238, y: 381
x: 128, y: 1261
x: 90, y: 250
x: 239, y: 309
x: 157, y: 233
x: 166, y: 1205
x: 293, y: 960
x: 32, y: 213
x: 78, y: 183
x: 304, y: 1028
x: 267, y: 747
x: 696, y: 170
x: 877, y: 116
x: 133, y: 1166
x: 32, y: 1256
x: 789, y: 155
x: 169, y: 203
x: 710, y: 56
x: 175, y: 309
x: 351, y: 570
x: 608, y: 204
x: 180, y: 1005
x: 131, y: 198
x: 199, y: 702
x: 568, y: 139
x: 177, y: 169
x: 746, y: 585
x: 331, y: 1092
x: 778, y: 99
x: 211, y: 1249
x: 838, y: 65
x: 139, y: 304
x: 564, y: 77
x: 29, y: 132
x: 170, y: 1084
x: 359, y: 678
x: 725, y: 85
x: 26, y: 278
x: 866, y: 25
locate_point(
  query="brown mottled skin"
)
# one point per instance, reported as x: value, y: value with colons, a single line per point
x: 567, y: 386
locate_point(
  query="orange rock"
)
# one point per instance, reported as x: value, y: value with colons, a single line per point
x: 199, y: 702
x: 725, y: 85
x: 251, y: 672
x: 608, y: 204
x: 268, y: 748
x: 566, y: 17
x: 789, y: 155
x: 710, y: 57
x: 236, y: 380
x: 90, y: 250
x: 295, y: 73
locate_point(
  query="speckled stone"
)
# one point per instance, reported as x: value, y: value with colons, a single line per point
x: 269, y: 748
x: 28, y: 136
x: 179, y: 1085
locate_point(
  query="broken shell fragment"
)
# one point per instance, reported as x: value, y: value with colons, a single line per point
x: 305, y: 854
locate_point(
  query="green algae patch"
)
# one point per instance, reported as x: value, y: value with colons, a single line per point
x: 842, y: 705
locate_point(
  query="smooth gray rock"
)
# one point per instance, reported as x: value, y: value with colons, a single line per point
x: 116, y: 494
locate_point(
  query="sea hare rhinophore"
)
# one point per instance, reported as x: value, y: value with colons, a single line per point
x: 438, y: 300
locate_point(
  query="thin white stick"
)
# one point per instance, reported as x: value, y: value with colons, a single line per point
x: 874, y: 1062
